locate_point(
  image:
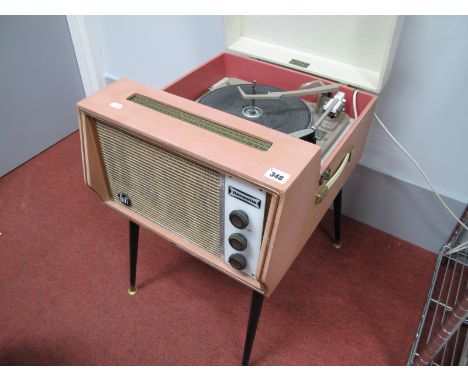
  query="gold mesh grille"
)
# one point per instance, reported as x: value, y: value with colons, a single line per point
x: 176, y: 193
x: 201, y: 122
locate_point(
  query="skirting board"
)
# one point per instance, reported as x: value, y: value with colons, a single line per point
x: 401, y: 209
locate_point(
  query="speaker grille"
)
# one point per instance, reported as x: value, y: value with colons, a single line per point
x: 180, y: 195
x: 201, y: 122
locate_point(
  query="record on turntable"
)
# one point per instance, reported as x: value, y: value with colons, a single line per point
x: 281, y: 110
x: 284, y: 114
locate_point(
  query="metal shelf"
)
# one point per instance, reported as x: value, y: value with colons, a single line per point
x: 448, y: 288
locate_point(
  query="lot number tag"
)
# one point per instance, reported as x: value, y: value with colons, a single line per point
x: 277, y: 175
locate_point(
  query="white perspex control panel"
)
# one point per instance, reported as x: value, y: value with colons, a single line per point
x: 245, y: 197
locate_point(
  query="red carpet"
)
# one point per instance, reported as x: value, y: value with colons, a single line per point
x: 64, y: 280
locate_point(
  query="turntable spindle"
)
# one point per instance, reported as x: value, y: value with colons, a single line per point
x: 254, y: 91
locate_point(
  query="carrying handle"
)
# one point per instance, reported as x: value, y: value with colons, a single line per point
x: 322, y: 192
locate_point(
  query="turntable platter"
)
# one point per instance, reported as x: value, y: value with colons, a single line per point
x: 286, y: 114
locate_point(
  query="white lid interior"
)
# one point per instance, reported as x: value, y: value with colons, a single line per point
x: 354, y: 50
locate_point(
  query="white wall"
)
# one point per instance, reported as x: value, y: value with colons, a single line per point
x: 40, y: 85
x: 425, y: 105
x: 156, y: 50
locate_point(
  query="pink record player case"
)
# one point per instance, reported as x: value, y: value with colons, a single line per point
x: 238, y: 161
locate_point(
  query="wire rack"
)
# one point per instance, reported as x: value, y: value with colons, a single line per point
x: 448, y: 288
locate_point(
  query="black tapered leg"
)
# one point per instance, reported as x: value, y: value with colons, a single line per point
x: 134, y: 234
x: 254, y: 316
x: 337, y: 214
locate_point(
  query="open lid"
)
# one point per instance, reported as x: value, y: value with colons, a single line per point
x: 354, y: 50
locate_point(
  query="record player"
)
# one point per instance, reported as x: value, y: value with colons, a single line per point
x: 238, y: 161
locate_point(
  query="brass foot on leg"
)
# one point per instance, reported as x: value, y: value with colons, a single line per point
x: 132, y: 291
x: 337, y: 245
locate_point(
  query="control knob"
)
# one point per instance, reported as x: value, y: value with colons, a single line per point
x: 237, y: 261
x: 239, y: 219
x: 238, y: 241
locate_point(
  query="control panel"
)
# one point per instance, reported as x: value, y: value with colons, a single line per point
x: 244, y: 211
